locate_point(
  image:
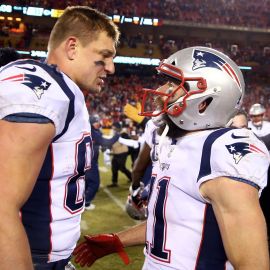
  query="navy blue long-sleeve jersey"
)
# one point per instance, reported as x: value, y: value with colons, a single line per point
x: 99, y: 140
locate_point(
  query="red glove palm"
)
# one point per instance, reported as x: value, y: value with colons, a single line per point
x: 98, y: 246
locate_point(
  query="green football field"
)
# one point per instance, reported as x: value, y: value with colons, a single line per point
x: 109, y: 216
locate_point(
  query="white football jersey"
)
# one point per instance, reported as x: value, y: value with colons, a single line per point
x: 148, y: 132
x: 152, y: 139
x: 182, y: 232
x: 52, y: 214
x: 262, y: 130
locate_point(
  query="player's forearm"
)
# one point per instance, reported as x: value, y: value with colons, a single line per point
x: 133, y: 236
x: 14, y: 251
x: 136, y: 176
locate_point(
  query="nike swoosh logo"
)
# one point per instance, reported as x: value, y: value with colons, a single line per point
x: 32, y: 69
x: 239, y: 137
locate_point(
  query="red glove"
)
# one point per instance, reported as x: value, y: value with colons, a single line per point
x: 98, y: 246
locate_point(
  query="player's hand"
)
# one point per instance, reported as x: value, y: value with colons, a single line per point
x: 98, y: 246
x: 136, y: 204
x: 135, y: 195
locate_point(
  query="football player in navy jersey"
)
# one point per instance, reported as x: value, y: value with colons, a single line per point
x: 203, y: 205
x: 46, y: 141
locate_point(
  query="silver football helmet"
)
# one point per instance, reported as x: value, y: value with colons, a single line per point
x: 204, y: 76
x: 256, y: 109
x: 134, y: 211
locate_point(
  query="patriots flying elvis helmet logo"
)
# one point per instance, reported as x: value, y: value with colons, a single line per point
x: 202, y: 59
x: 37, y: 84
x: 240, y: 149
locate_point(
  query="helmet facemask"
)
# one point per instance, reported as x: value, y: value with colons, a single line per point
x: 171, y: 99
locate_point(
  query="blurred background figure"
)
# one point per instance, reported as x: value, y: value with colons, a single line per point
x: 257, y: 123
x: 134, y: 150
x: 119, y: 154
x: 8, y: 55
x: 107, y: 157
x: 92, y: 176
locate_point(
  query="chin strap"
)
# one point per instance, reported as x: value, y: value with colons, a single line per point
x: 229, y: 124
x: 161, y: 142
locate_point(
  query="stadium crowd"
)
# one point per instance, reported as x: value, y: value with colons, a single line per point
x: 241, y: 12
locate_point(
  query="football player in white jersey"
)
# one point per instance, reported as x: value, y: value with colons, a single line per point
x: 203, y: 207
x: 257, y: 123
x: 46, y: 142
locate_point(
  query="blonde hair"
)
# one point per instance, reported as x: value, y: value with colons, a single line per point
x: 83, y: 22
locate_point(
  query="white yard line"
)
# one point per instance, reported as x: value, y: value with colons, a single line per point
x: 115, y: 199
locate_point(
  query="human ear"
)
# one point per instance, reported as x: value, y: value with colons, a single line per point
x: 71, y: 47
x: 203, y: 105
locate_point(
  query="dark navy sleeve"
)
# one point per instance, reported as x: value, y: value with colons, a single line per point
x: 27, y: 118
x: 98, y: 139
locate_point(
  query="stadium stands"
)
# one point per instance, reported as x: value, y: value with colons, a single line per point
x: 227, y: 12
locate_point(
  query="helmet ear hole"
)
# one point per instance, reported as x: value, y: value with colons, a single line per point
x: 204, y: 104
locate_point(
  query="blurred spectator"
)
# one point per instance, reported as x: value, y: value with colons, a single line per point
x: 119, y: 153
x: 241, y: 12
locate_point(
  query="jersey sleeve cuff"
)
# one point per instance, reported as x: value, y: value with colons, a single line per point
x: 25, y: 108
